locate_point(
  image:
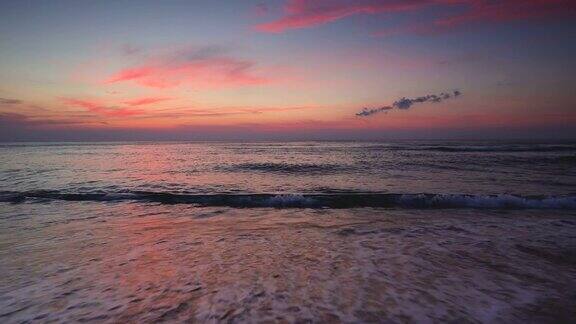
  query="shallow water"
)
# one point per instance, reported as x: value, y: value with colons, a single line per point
x: 126, y: 262
x: 322, y: 232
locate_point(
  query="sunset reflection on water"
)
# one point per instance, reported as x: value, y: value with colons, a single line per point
x: 147, y: 262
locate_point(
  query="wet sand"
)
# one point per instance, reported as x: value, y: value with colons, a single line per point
x: 135, y: 263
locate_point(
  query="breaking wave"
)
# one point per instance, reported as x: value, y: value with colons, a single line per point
x: 336, y: 200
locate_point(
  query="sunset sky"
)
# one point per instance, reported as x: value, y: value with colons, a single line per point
x: 287, y: 69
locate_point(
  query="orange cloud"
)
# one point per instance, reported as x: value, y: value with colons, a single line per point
x: 144, y: 101
x: 100, y: 109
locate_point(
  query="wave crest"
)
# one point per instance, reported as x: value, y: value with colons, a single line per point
x: 339, y: 200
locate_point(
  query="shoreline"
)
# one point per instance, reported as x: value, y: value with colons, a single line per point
x: 145, y: 263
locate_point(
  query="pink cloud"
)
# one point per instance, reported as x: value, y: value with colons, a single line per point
x: 201, y: 68
x: 100, y: 109
x: 310, y: 13
x: 144, y: 101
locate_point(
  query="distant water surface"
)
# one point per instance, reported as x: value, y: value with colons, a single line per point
x: 454, y: 174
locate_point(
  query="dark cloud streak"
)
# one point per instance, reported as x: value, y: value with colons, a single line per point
x: 367, y: 111
x: 406, y: 103
x: 5, y: 101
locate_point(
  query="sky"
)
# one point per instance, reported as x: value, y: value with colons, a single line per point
x: 287, y: 70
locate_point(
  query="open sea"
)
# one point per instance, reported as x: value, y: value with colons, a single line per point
x: 406, y: 231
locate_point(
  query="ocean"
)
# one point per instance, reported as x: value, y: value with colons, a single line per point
x: 404, y: 231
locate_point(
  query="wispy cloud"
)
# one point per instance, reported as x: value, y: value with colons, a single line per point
x: 507, y: 10
x: 130, y: 49
x: 23, y: 127
x: 186, y: 112
x: 310, y: 13
x: 261, y: 9
x: 5, y: 101
x: 145, y: 101
x: 205, y: 67
x: 304, y: 13
x: 100, y: 109
x: 406, y: 103
x: 131, y: 109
